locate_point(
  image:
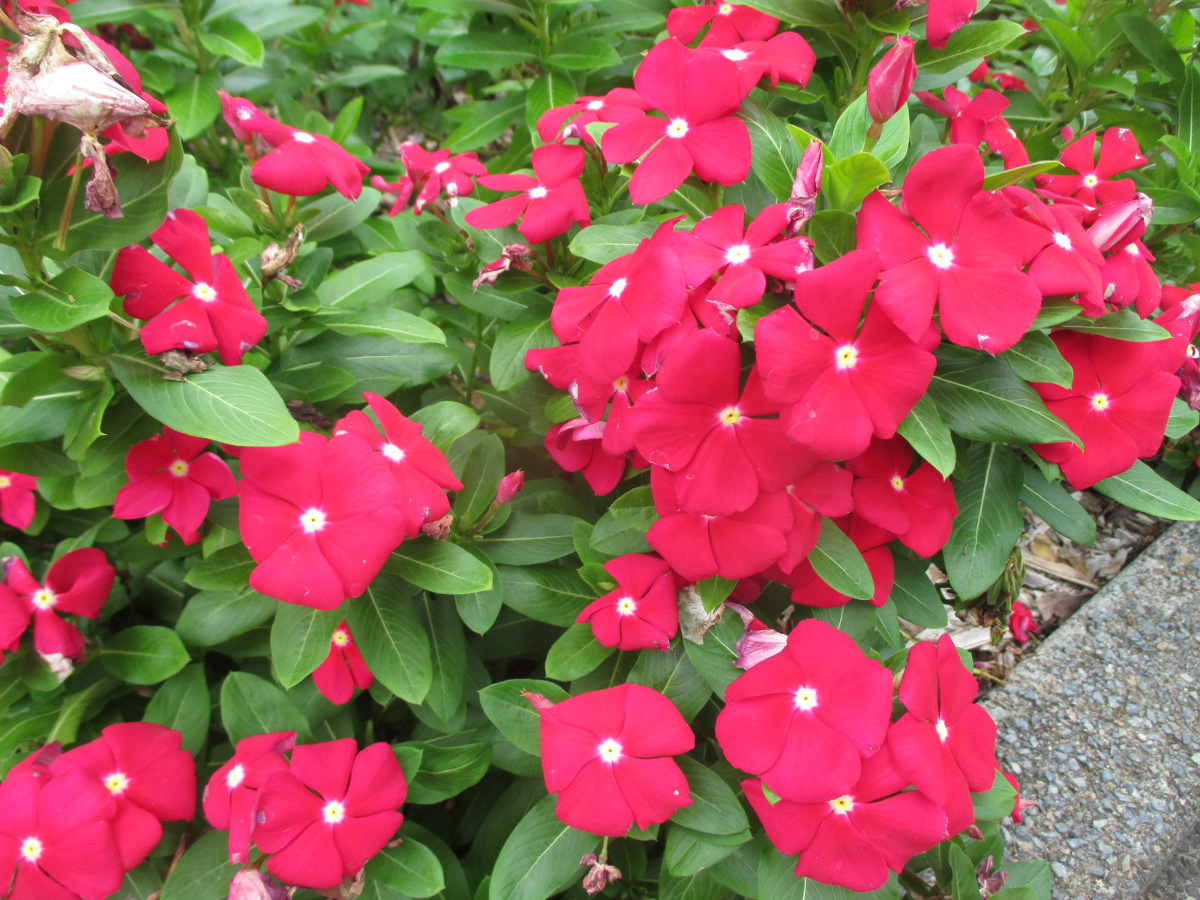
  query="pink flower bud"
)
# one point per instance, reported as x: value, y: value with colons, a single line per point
x: 1117, y: 224
x: 803, y: 202
x: 891, y: 80
x: 510, y: 486
x: 537, y: 701
x: 251, y: 884
x: 758, y: 643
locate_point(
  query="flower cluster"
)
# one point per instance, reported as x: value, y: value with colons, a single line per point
x: 74, y: 823
x: 320, y: 810
x: 429, y: 174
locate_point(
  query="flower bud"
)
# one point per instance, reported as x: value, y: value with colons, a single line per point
x: 438, y: 529
x: 599, y: 875
x: 1117, y: 224
x: 803, y: 202
x: 758, y: 643
x: 537, y: 701
x: 891, y: 80
x: 510, y: 486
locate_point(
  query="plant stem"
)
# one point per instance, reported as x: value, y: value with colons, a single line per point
x: 64, y: 224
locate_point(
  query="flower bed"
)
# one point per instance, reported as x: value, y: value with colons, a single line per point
x: 548, y: 525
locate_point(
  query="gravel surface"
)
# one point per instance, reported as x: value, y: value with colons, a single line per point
x: 1102, y: 726
x: 1180, y: 878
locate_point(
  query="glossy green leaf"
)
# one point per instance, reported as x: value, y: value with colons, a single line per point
x: 393, y: 641
x: 915, y: 596
x: 505, y: 705
x: 1139, y: 487
x: 253, y: 705
x: 182, y: 703
x: 540, y: 856
x: 410, y: 868
x: 989, y: 521
x: 1036, y: 358
x: 440, y: 566
x: 144, y: 654
x: 840, y: 564
x: 300, y: 641
x: 1059, y: 509
x: 575, y: 654
x: 604, y: 243
x: 929, y: 436
x: 203, y: 872
x: 68, y: 299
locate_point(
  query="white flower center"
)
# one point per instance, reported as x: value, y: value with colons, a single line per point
x: 43, y: 599
x: 725, y: 9
x: 1100, y: 401
x: 1132, y: 250
x: 1062, y: 240
x: 312, y: 520
x: 737, y: 254
x: 626, y: 606
x: 730, y: 415
x: 5, y: 481
x: 942, y: 731
x: 1090, y: 180
x: 117, y: 782
x: 333, y: 812
x: 392, y: 453
x: 595, y: 105
x: 303, y: 137
x: 845, y: 357
x: 617, y: 288
x: 178, y: 468
x: 678, y: 128
x: 538, y: 192
x: 805, y: 698
x: 441, y: 167
x: 941, y: 256
x: 205, y: 293
x: 842, y: 805
x: 735, y: 54
x: 609, y: 750
x: 31, y: 849
x: 236, y: 776
x: 341, y: 638
x: 244, y: 114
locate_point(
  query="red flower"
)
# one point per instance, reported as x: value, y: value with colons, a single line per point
x: 330, y: 812
x: 429, y: 174
x: 1094, y: 184
x: 171, y: 474
x: 213, y: 311
x: 1118, y: 403
x: 729, y: 23
x: 570, y: 121
x: 969, y: 116
x: 17, y: 504
x: 78, y: 582
x: 917, y: 506
x: 698, y: 94
x: 607, y: 756
x: 642, y: 612
x: 231, y: 792
x: 946, y: 17
x: 152, y: 780
x: 857, y: 839
x: 945, y: 744
x: 577, y: 447
x: 320, y: 517
x: 804, y: 719
x: 786, y: 57
x: 840, y: 388
x: 890, y: 82
x: 1062, y: 258
x: 56, y: 838
x: 1022, y: 623
x: 810, y: 589
x: 344, y: 668
x: 966, y: 257
x: 549, y: 201
x: 422, y: 473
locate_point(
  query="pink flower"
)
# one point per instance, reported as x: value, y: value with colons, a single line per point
x: 642, y: 612
x: 150, y: 777
x: 230, y: 794
x: 969, y: 116
x: 171, y: 474
x: 320, y: 517
x: 330, y: 812
x: 946, y: 17
x: 945, y: 744
x: 548, y: 202
x: 17, y: 504
x: 577, y: 447
x: 510, y: 485
x: 1063, y: 260
x: 786, y: 57
x: 729, y: 23
x: 429, y: 173
x: 571, y: 120
x: 213, y: 311
x: 77, y: 582
x: 1094, y: 184
x: 1022, y: 623
x: 56, y: 837
x: 804, y: 719
x: 858, y: 839
x: 698, y: 94
x: 421, y: 471
x: 607, y: 756
x: 965, y: 256
x: 890, y: 82
x: 344, y: 668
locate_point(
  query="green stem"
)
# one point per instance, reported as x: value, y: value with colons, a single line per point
x: 64, y: 224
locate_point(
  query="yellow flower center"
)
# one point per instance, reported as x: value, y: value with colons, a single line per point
x: 730, y: 415
x: 626, y: 606
x: 846, y: 357
x: 236, y: 776
x: 677, y: 129
x: 5, y: 481
x: 341, y: 638
x: 842, y: 805
x: 43, y: 599
x: 1090, y: 180
x: 205, y: 293
x: 737, y: 255
x: 897, y: 483
x: 31, y: 849
x: 178, y: 468
x: 392, y: 452
x: 621, y: 383
x: 941, y: 256
x: 1100, y: 402
x: 117, y: 782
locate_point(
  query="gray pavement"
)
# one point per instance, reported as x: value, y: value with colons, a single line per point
x: 1180, y: 877
x: 1102, y: 726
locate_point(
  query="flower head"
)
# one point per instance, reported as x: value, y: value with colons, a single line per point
x: 230, y: 794
x: 642, y: 611
x: 17, y: 504
x: 547, y: 203
x: 344, y: 668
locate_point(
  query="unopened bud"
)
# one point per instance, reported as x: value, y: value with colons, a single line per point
x: 599, y: 875
x: 537, y: 701
x: 510, y: 486
x: 803, y: 202
x: 1117, y: 224
x: 251, y: 884
x: 890, y: 82
x: 439, y: 529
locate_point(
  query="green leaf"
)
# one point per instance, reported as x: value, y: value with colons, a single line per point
x: 1123, y: 325
x: 527, y: 538
x: 1187, y: 125
x: 203, y: 872
x: 775, y: 154
x: 997, y: 801
x: 182, y: 703
x: 963, y: 882
x: 1173, y: 207
x: 929, y: 436
x: 485, y: 122
x: 505, y: 705
x: 84, y: 426
x: 575, y: 654
x: 714, y: 658
x: 550, y: 90
x: 582, y: 53
x: 848, y: 181
x: 229, y: 37
x: 445, y: 422
x: 832, y: 231
x: 694, y: 886
x: 715, y: 808
x: 981, y: 398
x: 850, y: 134
x: 73, y: 709
x: 480, y: 473
x: 540, y: 856
x: 545, y: 593
x: 507, y: 368
x: 372, y: 281
x: 840, y: 564
x: 441, y: 567
x: 1152, y: 44
x: 479, y: 610
x: 448, y: 771
x: 670, y: 672
x: 484, y: 51
x: 213, y: 617
x: 1037, y: 358
x: 1139, y: 487
x: 411, y: 868
x: 68, y: 299
x: 988, y: 523
x: 227, y: 569
x: 388, y: 631
x: 622, y: 529
x: 194, y: 104
x: 1004, y: 178
x: 916, y: 598
x: 447, y: 655
x: 144, y: 654
x: 1183, y: 419
x: 333, y: 216
x: 231, y: 404
x: 604, y: 243
x: 393, y: 323
x: 1058, y: 508
x: 252, y: 705
x: 966, y: 47
x: 300, y: 641
x: 822, y: 14
x: 688, y: 854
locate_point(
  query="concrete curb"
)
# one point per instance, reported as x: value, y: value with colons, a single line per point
x: 1102, y: 726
